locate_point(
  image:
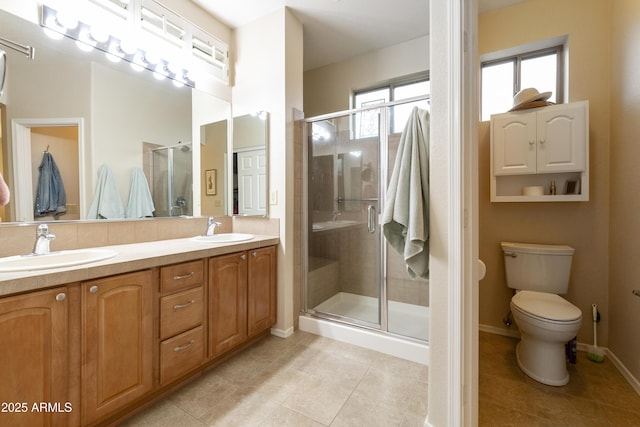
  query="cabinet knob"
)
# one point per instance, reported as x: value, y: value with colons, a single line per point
x: 243, y: 257
x: 542, y: 141
x: 61, y: 296
x: 254, y: 253
x: 93, y: 289
x: 531, y: 143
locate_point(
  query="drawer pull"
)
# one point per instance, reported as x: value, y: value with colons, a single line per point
x: 186, y: 276
x: 61, y: 296
x: 179, y: 306
x: 184, y: 347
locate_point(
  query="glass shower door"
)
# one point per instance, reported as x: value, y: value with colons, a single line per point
x: 344, y: 267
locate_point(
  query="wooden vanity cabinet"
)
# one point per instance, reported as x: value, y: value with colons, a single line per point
x: 34, y: 359
x: 262, y: 289
x: 227, y: 302
x: 182, y: 319
x: 117, y: 342
x: 94, y: 350
x: 242, y: 297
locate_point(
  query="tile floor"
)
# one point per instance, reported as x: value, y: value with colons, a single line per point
x: 597, y: 394
x: 305, y: 380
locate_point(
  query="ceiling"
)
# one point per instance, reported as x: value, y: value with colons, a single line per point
x: 335, y: 30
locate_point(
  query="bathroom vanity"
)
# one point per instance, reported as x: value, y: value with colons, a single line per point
x: 87, y: 345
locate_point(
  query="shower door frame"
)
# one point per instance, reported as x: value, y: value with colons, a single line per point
x: 170, y: 174
x: 383, y: 159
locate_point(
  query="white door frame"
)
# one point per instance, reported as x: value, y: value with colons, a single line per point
x: 21, y: 148
x: 453, y: 378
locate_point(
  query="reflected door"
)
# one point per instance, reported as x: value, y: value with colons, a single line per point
x: 252, y: 182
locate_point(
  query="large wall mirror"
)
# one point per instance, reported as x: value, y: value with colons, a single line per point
x: 235, y: 169
x: 88, y: 112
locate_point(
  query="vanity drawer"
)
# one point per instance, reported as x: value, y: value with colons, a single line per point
x: 181, y: 311
x: 181, y: 276
x: 181, y: 354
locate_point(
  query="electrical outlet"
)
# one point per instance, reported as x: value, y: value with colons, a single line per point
x: 273, y: 198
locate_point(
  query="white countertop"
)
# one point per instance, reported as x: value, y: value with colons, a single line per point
x: 131, y: 257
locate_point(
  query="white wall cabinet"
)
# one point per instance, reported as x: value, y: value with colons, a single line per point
x: 537, y: 146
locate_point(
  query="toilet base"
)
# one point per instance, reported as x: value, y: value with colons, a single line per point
x: 545, y: 362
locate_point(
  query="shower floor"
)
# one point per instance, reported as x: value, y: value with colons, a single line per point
x: 403, y: 319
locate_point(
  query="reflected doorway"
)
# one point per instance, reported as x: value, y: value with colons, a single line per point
x: 63, y: 138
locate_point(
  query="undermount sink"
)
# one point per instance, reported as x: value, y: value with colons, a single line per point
x: 224, y: 238
x: 54, y: 259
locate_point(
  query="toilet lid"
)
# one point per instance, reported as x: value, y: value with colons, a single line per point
x: 546, y: 306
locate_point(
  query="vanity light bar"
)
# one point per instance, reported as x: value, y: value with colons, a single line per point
x: 111, y: 45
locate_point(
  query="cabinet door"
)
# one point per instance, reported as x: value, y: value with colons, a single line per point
x: 262, y: 286
x: 227, y: 302
x: 514, y: 143
x: 34, y: 359
x: 117, y: 342
x: 562, y: 136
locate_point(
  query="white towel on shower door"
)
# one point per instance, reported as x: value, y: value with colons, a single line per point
x: 405, y: 219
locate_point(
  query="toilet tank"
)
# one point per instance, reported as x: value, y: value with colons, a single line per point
x: 534, y: 267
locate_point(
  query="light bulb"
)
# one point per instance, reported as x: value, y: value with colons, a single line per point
x: 99, y: 34
x: 67, y: 20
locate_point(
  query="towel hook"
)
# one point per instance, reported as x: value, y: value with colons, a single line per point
x: 47, y: 150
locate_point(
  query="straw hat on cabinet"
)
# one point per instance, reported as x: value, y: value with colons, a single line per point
x: 530, y: 98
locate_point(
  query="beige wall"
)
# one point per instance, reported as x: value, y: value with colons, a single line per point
x: 213, y: 150
x: 624, y: 184
x: 328, y: 89
x: 585, y: 226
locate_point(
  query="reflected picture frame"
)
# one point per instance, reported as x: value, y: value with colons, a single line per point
x: 211, y: 182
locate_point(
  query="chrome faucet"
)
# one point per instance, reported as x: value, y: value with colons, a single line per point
x: 43, y: 238
x: 211, y: 227
x: 334, y: 216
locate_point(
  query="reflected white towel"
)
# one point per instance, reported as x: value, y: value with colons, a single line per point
x: 107, y: 203
x: 405, y: 220
x: 140, y: 202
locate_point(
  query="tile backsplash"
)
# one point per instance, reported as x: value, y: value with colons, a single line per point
x: 18, y: 239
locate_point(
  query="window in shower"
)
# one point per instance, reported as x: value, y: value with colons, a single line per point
x: 366, y: 124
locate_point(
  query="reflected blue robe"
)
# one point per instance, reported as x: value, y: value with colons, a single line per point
x: 50, y: 196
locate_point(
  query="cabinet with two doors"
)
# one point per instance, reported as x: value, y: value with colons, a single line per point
x: 91, y: 352
x: 540, y: 146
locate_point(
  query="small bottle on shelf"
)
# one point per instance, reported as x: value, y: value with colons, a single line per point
x: 552, y: 188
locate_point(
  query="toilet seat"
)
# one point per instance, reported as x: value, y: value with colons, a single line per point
x: 546, y: 307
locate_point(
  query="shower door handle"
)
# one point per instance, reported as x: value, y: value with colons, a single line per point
x: 371, y: 219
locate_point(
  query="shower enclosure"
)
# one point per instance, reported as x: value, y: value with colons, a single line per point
x: 172, y: 189
x: 351, y: 275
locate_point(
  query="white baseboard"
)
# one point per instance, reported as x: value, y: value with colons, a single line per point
x: 623, y: 370
x: 499, y: 331
x: 282, y: 333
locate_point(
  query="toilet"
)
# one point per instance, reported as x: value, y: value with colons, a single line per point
x: 538, y: 273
